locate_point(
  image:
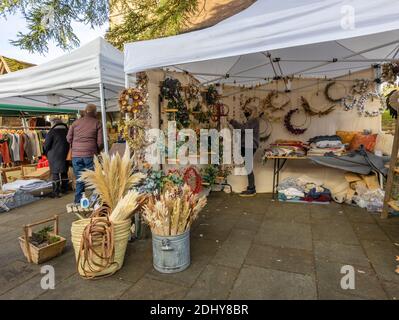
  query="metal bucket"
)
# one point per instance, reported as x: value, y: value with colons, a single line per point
x: 171, y: 254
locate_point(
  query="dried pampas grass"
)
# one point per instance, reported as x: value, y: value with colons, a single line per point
x: 173, y: 212
x: 127, y: 206
x: 112, y: 177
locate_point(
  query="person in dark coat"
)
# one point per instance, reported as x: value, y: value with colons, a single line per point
x: 56, y: 148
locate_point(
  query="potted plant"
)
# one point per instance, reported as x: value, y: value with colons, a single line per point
x: 44, y: 244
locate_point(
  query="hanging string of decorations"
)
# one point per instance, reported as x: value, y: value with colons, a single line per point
x: 312, y: 112
x: 288, y: 123
x: 133, y: 132
x: 350, y: 102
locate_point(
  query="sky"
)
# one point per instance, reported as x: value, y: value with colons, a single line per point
x: 10, y: 27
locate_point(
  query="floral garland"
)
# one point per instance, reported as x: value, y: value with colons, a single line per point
x: 310, y: 111
x: 350, y: 102
x: 327, y: 93
x: 131, y: 100
x: 361, y: 86
x: 289, y: 126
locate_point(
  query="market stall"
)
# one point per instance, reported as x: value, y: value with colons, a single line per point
x: 311, y: 68
x: 92, y: 73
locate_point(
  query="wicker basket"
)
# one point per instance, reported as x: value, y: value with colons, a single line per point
x: 121, y: 237
x: 40, y: 255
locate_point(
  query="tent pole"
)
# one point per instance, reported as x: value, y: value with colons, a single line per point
x: 104, y: 117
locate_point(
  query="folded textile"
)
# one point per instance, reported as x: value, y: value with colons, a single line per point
x: 17, y: 184
x: 36, y: 186
x: 292, y: 193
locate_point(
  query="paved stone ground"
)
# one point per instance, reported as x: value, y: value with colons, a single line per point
x: 251, y: 248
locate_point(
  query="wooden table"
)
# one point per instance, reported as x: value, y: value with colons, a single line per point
x: 278, y: 164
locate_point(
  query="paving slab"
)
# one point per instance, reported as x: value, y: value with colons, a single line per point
x: 367, y: 285
x: 258, y: 283
x: 151, y: 289
x: 215, y: 282
x: 15, y: 273
x: 285, y: 234
x: 233, y: 251
x: 76, y: 288
x: 338, y: 252
x: 367, y: 231
x: 283, y: 259
x: 332, y: 231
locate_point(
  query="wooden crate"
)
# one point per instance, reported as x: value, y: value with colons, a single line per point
x: 39, y: 255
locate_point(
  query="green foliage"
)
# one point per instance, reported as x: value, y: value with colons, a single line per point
x: 150, y: 19
x: 209, y: 174
x: 51, y: 20
x: 43, y: 236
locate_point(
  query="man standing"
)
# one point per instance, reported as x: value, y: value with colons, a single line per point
x: 86, y: 139
x: 252, y: 124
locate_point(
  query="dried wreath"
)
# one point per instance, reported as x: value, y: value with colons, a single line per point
x: 269, y: 102
x: 327, y: 92
x: 289, y: 126
x: 133, y: 131
x: 310, y: 111
x: 131, y: 100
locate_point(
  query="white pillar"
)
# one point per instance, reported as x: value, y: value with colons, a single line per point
x: 104, y: 117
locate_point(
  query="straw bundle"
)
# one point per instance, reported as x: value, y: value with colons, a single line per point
x: 112, y: 177
x: 173, y: 212
x: 127, y: 206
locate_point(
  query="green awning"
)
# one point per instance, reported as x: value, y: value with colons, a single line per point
x: 11, y: 110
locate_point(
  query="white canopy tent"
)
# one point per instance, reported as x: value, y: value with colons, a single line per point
x: 277, y: 39
x: 92, y: 73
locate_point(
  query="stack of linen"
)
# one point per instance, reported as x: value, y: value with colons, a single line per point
x: 303, y: 189
x: 286, y: 148
x: 322, y: 145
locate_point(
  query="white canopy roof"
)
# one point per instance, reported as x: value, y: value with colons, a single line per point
x: 274, y: 38
x: 70, y: 81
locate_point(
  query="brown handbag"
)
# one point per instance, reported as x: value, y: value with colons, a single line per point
x: 69, y: 155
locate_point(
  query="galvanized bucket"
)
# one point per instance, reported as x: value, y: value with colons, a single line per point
x: 171, y: 254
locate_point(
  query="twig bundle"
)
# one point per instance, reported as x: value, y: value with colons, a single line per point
x: 127, y: 206
x: 173, y: 212
x: 112, y: 177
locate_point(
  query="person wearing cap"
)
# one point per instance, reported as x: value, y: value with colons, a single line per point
x: 86, y: 139
x: 251, y: 123
x: 56, y: 148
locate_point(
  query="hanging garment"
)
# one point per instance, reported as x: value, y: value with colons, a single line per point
x: 15, y: 148
x: 21, y: 147
x: 4, y: 151
x: 28, y: 147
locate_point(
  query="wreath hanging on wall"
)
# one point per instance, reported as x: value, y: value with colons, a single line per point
x: 133, y: 132
x: 193, y: 179
x: 131, y: 100
x: 310, y: 111
x: 289, y: 126
x: 269, y: 101
x: 212, y: 95
x: 171, y: 91
x: 327, y: 92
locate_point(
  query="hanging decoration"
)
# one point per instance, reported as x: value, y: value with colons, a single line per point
x: 266, y: 129
x: 310, y: 111
x: 289, y: 126
x: 131, y: 100
x: 361, y: 105
x: 193, y: 179
x: 269, y: 103
x: 171, y: 91
x: 191, y: 93
x: 218, y: 111
x: 133, y: 132
x: 327, y: 92
x: 361, y: 86
x: 142, y: 81
x: 212, y: 96
x: 349, y: 103
x: 392, y: 102
x: 390, y: 72
x: 248, y: 102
